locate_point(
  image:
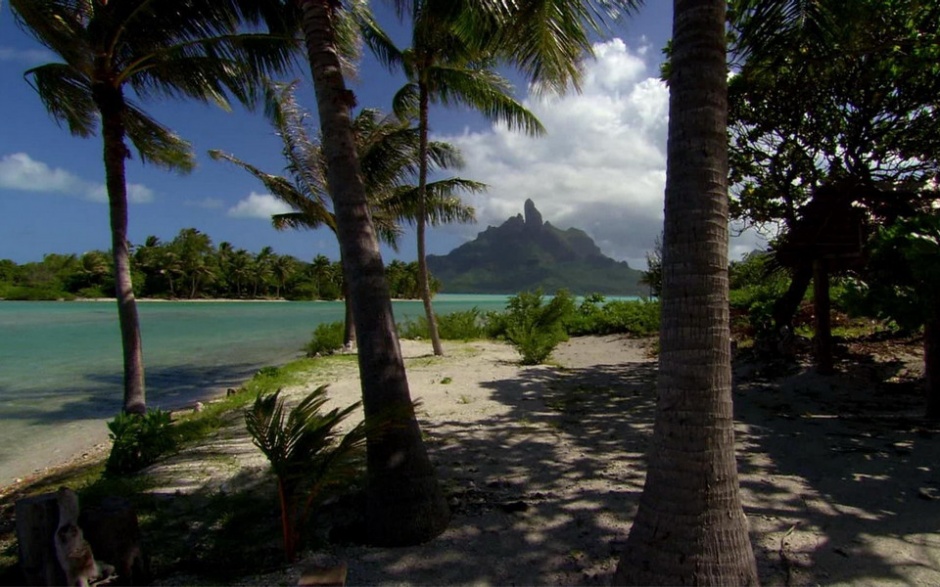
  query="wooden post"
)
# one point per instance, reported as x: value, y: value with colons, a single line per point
x: 36, y: 520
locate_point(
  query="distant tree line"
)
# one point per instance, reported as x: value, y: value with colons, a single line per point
x: 190, y: 267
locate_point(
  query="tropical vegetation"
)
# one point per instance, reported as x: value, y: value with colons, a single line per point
x: 389, y: 152
x: 190, y: 266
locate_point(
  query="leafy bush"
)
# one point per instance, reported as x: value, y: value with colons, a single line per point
x: 327, y: 339
x: 534, y: 328
x: 139, y: 441
x: 595, y: 315
x: 306, y: 452
x: 463, y: 325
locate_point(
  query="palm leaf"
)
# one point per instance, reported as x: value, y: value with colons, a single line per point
x: 156, y: 143
x: 66, y: 95
x: 482, y: 90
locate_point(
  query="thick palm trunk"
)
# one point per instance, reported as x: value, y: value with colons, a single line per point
x: 405, y: 503
x: 690, y: 527
x: 424, y: 281
x: 110, y: 103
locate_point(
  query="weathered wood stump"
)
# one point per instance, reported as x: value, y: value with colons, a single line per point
x: 110, y: 528
x: 36, y: 520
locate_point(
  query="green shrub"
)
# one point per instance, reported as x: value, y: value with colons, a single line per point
x: 327, y: 339
x: 138, y: 441
x: 596, y: 316
x: 535, y: 328
x: 463, y: 325
x: 306, y: 452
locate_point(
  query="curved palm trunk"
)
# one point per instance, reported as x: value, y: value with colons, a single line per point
x: 349, y: 323
x: 690, y: 527
x: 110, y: 103
x: 405, y: 504
x: 424, y: 282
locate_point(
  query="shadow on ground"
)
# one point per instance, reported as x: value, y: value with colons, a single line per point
x: 839, y: 476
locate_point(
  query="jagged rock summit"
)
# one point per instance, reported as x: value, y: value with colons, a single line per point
x: 525, y: 253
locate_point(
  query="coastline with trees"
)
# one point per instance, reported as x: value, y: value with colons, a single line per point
x: 190, y: 267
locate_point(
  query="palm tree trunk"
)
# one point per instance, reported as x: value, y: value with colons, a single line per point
x: 349, y: 324
x: 110, y: 103
x: 405, y: 504
x: 690, y: 527
x: 424, y: 281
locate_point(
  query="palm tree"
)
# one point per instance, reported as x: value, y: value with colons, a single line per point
x: 690, y: 526
x: 193, y: 50
x: 283, y: 268
x: 405, y: 503
x: 387, y: 148
x: 442, y: 66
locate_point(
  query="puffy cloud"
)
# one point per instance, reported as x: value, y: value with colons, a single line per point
x: 19, y: 171
x: 258, y: 206
x: 602, y: 165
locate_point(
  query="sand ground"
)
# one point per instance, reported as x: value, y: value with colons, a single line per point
x: 544, y: 466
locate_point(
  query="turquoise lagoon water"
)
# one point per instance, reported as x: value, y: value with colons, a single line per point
x: 60, y: 362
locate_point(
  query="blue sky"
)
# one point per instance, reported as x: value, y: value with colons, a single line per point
x: 601, y: 167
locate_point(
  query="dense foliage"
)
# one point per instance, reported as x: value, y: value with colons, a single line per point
x: 191, y: 267
x: 139, y: 440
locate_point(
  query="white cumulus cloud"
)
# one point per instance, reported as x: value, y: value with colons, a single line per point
x: 21, y: 172
x: 258, y: 206
x: 602, y: 165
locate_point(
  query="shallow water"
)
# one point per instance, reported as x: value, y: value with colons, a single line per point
x: 60, y: 362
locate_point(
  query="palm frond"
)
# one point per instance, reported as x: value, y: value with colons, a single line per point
x: 375, y: 38
x: 441, y: 202
x: 444, y: 155
x: 485, y: 91
x: 66, y: 95
x: 548, y: 39
x: 279, y: 187
x: 763, y: 26
x: 405, y: 101
x: 156, y: 143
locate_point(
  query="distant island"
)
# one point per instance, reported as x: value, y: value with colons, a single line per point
x: 525, y: 253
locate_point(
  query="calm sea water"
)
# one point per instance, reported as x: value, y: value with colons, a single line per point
x: 61, y: 362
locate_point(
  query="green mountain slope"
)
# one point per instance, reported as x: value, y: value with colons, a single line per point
x: 525, y: 253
